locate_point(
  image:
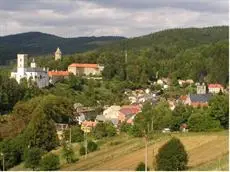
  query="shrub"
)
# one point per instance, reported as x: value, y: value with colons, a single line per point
x: 32, y: 157
x: 106, y: 129
x: 68, y: 153
x: 172, y: 156
x: 77, y: 135
x: 50, y: 162
x: 92, y: 146
x: 141, y: 167
x: 82, y: 150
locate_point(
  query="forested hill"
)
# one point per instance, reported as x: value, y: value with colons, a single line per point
x: 196, y: 53
x: 37, y: 43
x: 173, y: 39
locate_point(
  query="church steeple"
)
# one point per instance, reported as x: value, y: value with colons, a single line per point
x: 58, y: 54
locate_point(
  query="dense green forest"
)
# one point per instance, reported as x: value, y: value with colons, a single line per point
x: 191, y: 53
x: 37, y: 43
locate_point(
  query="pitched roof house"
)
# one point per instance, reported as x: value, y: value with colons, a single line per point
x: 215, y: 88
x: 196, y: 100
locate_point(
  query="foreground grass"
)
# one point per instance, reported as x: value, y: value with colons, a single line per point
x: 207, y: 151
x: 219, y: 164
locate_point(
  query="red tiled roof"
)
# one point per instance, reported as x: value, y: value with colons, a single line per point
x: 58, y: 73
x: 82, y: 65
x: 126, y: 110
x: 215, y: 86
x: 89, y: 124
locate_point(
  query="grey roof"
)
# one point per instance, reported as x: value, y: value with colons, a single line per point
x: 34, y: 70
x: 200, y: 97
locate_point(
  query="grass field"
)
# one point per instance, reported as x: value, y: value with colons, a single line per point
x: 207, y: 151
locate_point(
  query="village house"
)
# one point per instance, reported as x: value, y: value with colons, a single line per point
x: 87, y: 126
x: 79, y: 69
x: 215, y: 88
x: 128, y: 112
x: 200, y: 99
x: 56, y: 76
x: 61, y: 128
x: 34, y: 74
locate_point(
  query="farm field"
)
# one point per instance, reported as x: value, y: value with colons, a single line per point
x: 207, y: 151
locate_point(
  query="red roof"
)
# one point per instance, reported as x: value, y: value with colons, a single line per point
x: 215, y: 86
x: 89, y: 124
x: 82, y: 65
x: 58, y: 73
x: 126, y: 110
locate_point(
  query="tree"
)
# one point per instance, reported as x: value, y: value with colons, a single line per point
x: 141, y: 167
x: 50, y: 162
x: 68, y: 153
x: 41, y: 131
x: 219, y: 109
x: 172, y: 156
x: 32, y: 157
x: 202, y: 121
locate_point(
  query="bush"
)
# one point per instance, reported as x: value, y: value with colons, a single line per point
x: 68, y: 153
x: 32, y: 157
x: 106, y: 129
x: 172, y: 156
x: 77, y: 135
x: 92, y: 146
x: 202, y: 122
x: 82, y: 150
x: 50, y: 162
x: 141, y: 167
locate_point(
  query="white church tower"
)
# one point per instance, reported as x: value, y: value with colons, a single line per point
x: 22, y: 60
x: 58, y: 54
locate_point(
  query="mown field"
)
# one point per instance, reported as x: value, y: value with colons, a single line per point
x: 207, y: 151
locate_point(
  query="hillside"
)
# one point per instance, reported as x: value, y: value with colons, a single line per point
x: 37, y: 43
x: 175, y: 39
x: 129, y: 153
x: 124, y: 153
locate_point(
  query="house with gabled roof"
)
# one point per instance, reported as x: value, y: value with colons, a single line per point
x: 215, y: 88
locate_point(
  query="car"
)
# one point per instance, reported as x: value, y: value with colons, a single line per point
x: 166, y: 130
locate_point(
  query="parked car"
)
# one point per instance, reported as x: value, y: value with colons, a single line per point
x: 166, y: 130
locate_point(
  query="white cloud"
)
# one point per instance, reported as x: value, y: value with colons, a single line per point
x: 73, y: 18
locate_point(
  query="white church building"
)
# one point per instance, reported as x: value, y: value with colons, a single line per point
x: 38, y: 75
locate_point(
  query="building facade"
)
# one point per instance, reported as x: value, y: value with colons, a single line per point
x: 32, y: 73
x: 215, y: 88
x: 79, y: 69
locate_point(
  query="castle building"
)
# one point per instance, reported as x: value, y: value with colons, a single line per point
x: 80, y: 69
x: 33, y: 73
x: 58, y: 54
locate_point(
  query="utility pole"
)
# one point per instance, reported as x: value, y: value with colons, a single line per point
x: 146, y: 153
x: 70, y: 135
x: 86, y: 145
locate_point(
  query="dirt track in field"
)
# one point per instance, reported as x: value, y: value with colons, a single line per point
x: 200, y: 148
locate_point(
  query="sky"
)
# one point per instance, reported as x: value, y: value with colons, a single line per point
x: 129, y: 18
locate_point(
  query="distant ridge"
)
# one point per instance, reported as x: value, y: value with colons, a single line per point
x: 38, y: 43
